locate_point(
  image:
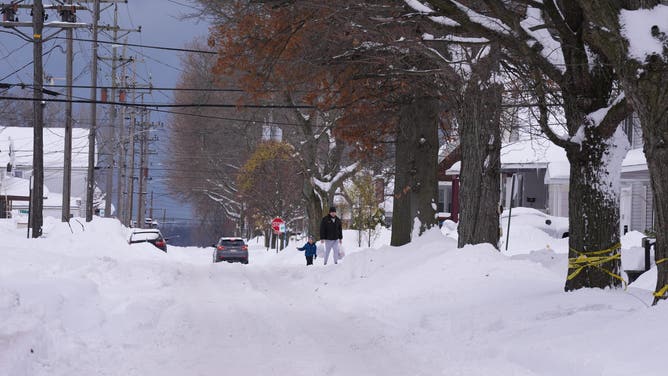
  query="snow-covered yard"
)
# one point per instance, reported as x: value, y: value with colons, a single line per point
x: 86, y: 303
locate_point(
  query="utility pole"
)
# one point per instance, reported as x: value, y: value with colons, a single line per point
x: 112, y: 136
x: 122, y: 150
x: 131, y: 141
x: 142, y: 169
x: 108, y: 150
x: 9, y: 20
x: 90, y: 184
x: 131, y: 174
x: 37, y: 201
x: 150, y: 210
x: 68, y: 15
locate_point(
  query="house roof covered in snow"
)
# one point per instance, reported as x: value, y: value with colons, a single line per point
x: 531, y: 153
x: 20, y: 141
x: 634, y: 161
x: 17, y: 187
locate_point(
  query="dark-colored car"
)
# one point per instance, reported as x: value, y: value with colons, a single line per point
x: 230, y: 249
x: 153, y: 236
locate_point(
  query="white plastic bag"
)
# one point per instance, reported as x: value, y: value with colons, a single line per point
x: 342, y: 253
x: 320, y: 250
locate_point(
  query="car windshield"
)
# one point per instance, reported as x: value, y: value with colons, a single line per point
x: 231, y: 242
x: 144, y: 236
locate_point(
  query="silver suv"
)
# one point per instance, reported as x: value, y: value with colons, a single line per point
x: 230, y: 249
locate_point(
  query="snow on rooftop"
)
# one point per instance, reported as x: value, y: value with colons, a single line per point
x: 54, y: 146
x: 636, y: 26
x: 559, y: 171
x: 13, y: 186
x: 634, y: 161
x: 531, y: 153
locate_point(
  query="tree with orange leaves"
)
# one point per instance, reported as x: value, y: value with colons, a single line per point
x: 368, y: 86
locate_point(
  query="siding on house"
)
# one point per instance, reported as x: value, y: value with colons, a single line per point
x: 641, y: 206
x: 637, y: 178
x: 558, y: 206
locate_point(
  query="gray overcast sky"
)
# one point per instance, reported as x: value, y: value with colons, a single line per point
x: 162, y: 25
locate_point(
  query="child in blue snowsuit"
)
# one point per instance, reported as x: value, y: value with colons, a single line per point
x: 309, y: 250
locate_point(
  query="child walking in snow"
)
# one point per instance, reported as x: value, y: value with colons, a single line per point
x: 309, y: 250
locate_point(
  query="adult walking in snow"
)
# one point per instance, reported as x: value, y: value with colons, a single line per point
x: 331, y: 234
x: 309, y: 250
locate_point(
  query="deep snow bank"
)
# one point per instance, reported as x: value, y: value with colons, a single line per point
x: 88, y: 303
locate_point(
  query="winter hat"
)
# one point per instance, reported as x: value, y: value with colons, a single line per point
x: 310, y: 237
x: 332, y: 209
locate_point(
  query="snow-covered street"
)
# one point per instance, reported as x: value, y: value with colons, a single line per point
x: 89, y: 304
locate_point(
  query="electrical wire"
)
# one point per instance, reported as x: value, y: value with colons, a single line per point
x: 163, y: 48
x: 161, y: 105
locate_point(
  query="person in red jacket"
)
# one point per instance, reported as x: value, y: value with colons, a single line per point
x: 331, y: 234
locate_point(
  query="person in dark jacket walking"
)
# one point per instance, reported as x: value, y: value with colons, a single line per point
x: 309, y: 250
x: 331, y: 233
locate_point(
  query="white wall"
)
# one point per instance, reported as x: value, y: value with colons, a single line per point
x: 558, y: 200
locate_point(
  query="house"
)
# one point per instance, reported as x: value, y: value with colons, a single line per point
x: 542, y: 171
x: 534, y: 174
x: 16, y: 145
x: 448, y: 155
x: 636, y: 200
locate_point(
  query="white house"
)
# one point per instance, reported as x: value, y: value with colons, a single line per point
x: 542, y: 174
x: 537, y: 166
x: 637, y: 199
x: 16, y: 153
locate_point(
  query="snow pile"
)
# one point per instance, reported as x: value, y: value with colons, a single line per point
x: 87, y: 303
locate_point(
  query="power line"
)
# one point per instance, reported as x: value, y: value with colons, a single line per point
x: 145, y: 46
x: 161, y: 105
x: 131, y: 88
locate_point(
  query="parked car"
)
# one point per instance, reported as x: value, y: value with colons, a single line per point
x: 230, y: 249
x: 153, y: 236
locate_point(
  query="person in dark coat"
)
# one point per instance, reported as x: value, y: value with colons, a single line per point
x: 309, y: 250
x: 331, y: 234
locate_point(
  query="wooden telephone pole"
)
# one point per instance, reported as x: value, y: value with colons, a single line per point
x: 36, y: 200
x: 90, y: 182
x: 37, y: 39
x: 68, y: 15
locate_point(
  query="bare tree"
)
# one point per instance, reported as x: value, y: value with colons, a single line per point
x: 550, y: 39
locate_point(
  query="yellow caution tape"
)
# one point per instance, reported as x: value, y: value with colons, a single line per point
x: 660, y: 293
x: 664, y: 289
x: 594, y: 260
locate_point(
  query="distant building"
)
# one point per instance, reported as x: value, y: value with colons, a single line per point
x: 16, y: 154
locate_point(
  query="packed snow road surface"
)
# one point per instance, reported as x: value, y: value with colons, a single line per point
x: 73, y: 304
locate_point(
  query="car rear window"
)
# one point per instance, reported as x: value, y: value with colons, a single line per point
x: 144, y: 236
x: 230, y: 243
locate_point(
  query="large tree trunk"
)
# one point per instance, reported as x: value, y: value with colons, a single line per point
x: 480, y: 143
x: 415, y: 185
x: 314, y: 209
x: 649, y: 96
x: 656, y: 152
x: 593, y: 204
x: 646, y: 85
